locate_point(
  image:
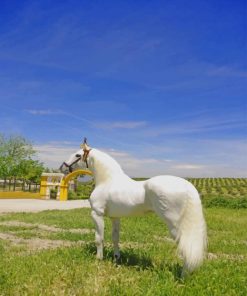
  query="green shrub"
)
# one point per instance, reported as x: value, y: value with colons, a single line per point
x: 222, y: 202
x: 53, y: 193
x: 72, y: 195
x: 83, y: 191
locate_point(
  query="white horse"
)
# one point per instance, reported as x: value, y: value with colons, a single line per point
x: 175, y: 200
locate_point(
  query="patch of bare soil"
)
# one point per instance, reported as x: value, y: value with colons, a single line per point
x: 36, y: 244
x: 46, y: 227
x: 213, y: 256
x: 164, y: 238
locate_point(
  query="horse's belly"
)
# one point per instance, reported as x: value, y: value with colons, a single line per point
x: 125, y: 198
x: 123, y: 210
x: 127, y: 205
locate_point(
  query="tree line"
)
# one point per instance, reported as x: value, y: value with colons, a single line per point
x: 17, y: 160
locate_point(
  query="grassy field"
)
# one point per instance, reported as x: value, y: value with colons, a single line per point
x: 53, y: 253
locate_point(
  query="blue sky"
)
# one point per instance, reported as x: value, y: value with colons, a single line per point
x: 160, y: 85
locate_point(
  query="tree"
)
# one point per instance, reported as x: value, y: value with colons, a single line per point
x: 3, y: 159
x: 16, y: 159
x: 30, y: 170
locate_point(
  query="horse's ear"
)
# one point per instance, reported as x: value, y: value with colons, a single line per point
x: 85, y: 145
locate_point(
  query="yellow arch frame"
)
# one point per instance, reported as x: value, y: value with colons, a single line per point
x: 65, y: 182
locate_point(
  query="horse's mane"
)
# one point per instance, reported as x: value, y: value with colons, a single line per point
x: 106, y: 161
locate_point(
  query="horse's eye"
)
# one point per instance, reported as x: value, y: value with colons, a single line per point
x: 78, y: 155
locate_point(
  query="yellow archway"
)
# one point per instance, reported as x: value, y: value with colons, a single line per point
x: 65, y: 182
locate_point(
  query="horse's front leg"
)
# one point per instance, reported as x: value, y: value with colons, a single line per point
x: 99, y: 233
x: 115, y: 236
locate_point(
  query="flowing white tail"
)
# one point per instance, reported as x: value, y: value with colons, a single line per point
x: 177, y: 202
x: 192, y: 235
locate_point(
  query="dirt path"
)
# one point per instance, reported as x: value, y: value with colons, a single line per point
x: 37, y: 205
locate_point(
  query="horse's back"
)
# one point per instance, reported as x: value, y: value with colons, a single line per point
x: 171, y: 186
x: 169, y: 195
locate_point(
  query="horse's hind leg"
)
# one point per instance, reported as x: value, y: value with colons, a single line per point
x: 115, y: 236
x: 99, y: 233
x: 167, y: 213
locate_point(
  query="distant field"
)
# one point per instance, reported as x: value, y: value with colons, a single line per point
x: 222, y: 192
x: 53, y: 253
x: 227, y: 187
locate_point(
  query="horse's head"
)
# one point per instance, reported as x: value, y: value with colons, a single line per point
x: 74, y: 160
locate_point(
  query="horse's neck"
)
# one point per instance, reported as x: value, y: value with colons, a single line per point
x: 104, y: 167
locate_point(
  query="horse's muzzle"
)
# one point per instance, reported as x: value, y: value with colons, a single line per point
x: 62, y: 167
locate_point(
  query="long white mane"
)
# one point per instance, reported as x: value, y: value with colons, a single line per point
x: 103, y: 164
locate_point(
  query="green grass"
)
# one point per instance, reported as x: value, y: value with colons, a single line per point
x: 211, y: 201
x: 149, y: 264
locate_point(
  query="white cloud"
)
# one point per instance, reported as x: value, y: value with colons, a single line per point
x: 54, y: 154
x: 187, y: 166
x: 147, y: 167
x: 44, y: 112
x: 120, y: 124
x: 227, y: 159
x: 226, y: 71
x: 191, y: 126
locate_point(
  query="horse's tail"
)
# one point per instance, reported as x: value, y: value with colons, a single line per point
x: 191, y: 234
x: 178, y: 203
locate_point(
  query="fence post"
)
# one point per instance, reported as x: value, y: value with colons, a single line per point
x: 14, y: 184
